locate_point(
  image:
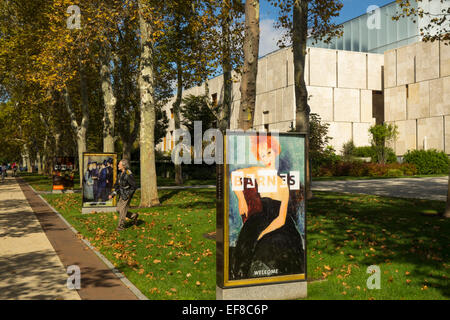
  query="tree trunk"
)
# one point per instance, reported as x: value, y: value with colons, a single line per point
x: 24, y: 158
x: 32, y: 164
x: 57, y: 137
x: 176, y: 117
x: 27, y: 160
x: 302, y: 110
x: 110, y: 103
x: 80, y: 130
x: 149, y: 191
x: 250, y: 69
x: 225, y: 111
x: 126, y: 150
x: 45, y: 157
x: 447, y: 207
x: 128, y: 138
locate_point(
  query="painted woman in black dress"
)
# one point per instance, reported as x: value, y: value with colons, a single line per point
x: 269, y: 243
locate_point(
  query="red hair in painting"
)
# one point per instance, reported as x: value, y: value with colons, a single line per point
x: 258, y: 140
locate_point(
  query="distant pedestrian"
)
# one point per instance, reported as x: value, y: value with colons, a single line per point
x: 124, y: 188
x: 4, y: 168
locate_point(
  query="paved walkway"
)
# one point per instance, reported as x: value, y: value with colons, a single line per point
x: 29, y: 266
x: 37, y: 247
x: 417, y: 188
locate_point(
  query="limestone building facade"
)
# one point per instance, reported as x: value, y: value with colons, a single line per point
x: 417, y: 95
x: 344, y: 89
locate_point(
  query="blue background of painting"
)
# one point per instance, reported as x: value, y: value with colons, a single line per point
x: 291, y: 159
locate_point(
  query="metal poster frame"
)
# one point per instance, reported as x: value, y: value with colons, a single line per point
x: 223, y: 214
x: 112, y: 155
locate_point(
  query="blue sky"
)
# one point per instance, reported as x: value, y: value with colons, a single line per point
x: 269, y: 35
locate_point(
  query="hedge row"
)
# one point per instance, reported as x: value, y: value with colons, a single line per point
x: 428, y: 161
x: 365, y: 169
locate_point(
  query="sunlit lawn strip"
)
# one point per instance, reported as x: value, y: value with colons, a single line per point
x: 165, y: 255
x: 44, y: 183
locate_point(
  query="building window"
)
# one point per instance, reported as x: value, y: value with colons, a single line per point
x: 266, y: 127
x: 214, y: 99
x: 171, y: 113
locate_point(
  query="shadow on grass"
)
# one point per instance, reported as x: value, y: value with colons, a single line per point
x: 169, y: 195
x: 381, y: 231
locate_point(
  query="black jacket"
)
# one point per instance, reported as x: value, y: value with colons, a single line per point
x: 125, y: 185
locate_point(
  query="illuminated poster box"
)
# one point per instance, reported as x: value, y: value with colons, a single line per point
x: 99, y: 173
x: 261, y: 220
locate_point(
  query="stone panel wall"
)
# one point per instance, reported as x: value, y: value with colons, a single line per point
x: 417, y: 95
x: 340, y: 88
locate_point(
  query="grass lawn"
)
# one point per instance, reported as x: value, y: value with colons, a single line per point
x: 167, y: 257
x: 44, y: 183
x: 348, y: 233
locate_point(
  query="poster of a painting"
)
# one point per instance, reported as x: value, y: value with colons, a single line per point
x: 99, y: 172
x: 264, y: 208
x: 63, y: 173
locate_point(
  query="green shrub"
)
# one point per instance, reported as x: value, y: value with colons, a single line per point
x: 382, y: 134
x: 364, y: 152
x: 370, y: 151
x: 358, y: 169
x: 428, y: 161
x: 408, y: 169
x: 364, y: 169
x: 377, y: 169
x: 348, y: 150
x: 323, y: 159
x: 394, y: 173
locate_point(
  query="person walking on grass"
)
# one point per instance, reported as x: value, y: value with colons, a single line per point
x: 124, y: 188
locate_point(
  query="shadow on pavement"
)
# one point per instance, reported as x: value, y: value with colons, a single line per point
x: 27, y: 276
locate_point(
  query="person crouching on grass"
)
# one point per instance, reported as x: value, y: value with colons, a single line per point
x: 124, y: 188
